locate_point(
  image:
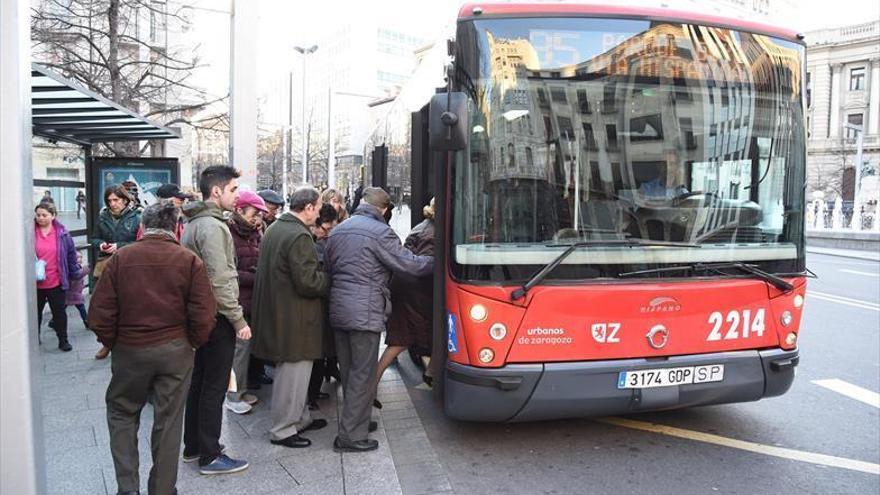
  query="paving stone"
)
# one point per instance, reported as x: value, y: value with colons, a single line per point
x: 88, y: 481
x: 402, y: 424
x: 318, y: 465
x: 260, y: 477
x: 71, y: 439
x: 399, y: 414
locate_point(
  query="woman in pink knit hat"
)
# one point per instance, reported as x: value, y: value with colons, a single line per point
x: 244, y: 225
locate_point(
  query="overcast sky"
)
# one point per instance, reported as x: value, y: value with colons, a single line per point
x: 283, y: 24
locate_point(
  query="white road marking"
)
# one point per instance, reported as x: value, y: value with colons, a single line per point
x: 795, y: 455
x: 867, y: 274
x: 857, y: 303
x: 852, y: 391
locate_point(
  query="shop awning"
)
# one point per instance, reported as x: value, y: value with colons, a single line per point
x: 63, y: 110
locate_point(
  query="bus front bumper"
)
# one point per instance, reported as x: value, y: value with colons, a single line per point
x: 531, y: 392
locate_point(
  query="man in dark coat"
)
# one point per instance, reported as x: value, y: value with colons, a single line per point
x: 362, y: 253
x: 287, y: 315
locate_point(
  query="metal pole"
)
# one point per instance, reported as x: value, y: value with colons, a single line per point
x: 305, y: 163
x: 288, y: 150
x: 331, y: 146
x: 22, y: 458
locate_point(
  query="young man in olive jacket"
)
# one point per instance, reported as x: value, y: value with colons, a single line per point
x: 207, y: 235
x: 152, y: 334
x: 288, y: 315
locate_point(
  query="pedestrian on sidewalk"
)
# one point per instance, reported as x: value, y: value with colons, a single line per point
x: 362, y: 253
x: 55, y: 266
x: 207, y: 235
x: 118, y: 224
x: 412, y: 303
x: 244, y: 225
x: 74, y: 296
x: 80, y: 203
x: 326, y: 366
x: 288, y: 316
x: 152, y: 334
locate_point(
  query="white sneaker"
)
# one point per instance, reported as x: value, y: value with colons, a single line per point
x: 238, y: 407
x: 250, y: 399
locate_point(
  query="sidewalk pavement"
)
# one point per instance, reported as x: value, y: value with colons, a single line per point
x: 79, y: 461
x: 846, y: 253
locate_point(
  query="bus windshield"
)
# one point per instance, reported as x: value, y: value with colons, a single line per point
x: 618, y: 130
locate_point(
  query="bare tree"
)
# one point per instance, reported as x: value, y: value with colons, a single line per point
x: 119, y: 49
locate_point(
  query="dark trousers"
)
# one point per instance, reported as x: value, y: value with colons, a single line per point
x: 55, y: 297
x: 318, y: 371
x: 204, y: 404
x: 82, y: 312
x: 165, y: 370
x: 358, y: 354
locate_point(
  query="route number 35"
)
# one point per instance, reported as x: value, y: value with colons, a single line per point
x: 739, y: 325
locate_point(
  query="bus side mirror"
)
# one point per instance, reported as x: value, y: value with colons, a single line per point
x: 448, y: 118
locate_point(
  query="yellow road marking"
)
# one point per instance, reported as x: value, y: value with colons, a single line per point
x: 795, y: 455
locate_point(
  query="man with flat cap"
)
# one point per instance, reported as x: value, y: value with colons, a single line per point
x: 274, y: 202
x: 173, y: 193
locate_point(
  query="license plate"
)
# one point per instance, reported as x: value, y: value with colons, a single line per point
x: 667, y: 377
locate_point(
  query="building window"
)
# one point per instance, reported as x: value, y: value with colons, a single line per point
x: 857, y: 79
x: 809, y: 91
x: 558, y: 95
x: 853, y: 119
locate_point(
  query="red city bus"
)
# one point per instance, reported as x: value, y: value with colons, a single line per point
x: 620, y: 209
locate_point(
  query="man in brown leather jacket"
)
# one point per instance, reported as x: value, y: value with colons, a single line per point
x: 153, y: 305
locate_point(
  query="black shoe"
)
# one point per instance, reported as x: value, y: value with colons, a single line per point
x: 294, y: 441
x: 429, y: 380
x: 377, y: 404
x: 359, y: 446
x: 373, y: 426
x: 65, y: 346
x: 315, y: 425
x: 323, y: 395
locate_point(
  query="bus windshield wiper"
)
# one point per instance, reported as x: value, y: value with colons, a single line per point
x: 541, y: 275
x: 773, y: 280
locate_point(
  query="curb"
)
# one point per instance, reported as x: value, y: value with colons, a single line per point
x: 843, y: 253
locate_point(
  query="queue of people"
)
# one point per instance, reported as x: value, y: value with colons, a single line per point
x: 238, y: 285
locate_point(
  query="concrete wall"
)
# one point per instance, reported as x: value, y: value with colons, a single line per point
x: 844, y: 239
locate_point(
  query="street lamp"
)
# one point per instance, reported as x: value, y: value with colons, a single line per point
x: 303, y: 52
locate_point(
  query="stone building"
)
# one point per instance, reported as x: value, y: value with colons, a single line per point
x: 843, y: 89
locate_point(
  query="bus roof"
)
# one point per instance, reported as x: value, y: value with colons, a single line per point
x: 608, y: 10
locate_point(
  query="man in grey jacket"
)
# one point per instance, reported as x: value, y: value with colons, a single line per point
x: 207, y: 235
x: 362, y: 253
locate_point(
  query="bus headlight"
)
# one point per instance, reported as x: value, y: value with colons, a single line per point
x: 786, y: 318
x: 798, y: 301
x: 498, y: 331
x: 791, y: 339
x: 486, y: 355
x: 479, y: 312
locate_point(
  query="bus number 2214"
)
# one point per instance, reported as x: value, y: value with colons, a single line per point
x: 739, y: 325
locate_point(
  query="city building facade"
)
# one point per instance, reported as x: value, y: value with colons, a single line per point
x: 843, y: 94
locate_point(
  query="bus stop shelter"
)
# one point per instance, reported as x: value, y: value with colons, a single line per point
x: 64, y: 110
x: 34, y: 101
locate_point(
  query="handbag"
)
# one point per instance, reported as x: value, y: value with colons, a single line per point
x: 40, y: 269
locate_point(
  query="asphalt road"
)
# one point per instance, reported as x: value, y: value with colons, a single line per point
x: 840, y: 340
